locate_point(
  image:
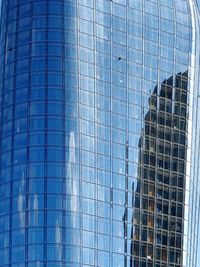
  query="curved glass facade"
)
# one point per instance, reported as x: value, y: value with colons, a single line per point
x: 99, y: 133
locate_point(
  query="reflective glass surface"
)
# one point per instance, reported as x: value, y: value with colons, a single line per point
x: 99, y: 133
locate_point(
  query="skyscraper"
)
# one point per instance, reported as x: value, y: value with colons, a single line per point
x: 161, y: 172
x: 99, y: 133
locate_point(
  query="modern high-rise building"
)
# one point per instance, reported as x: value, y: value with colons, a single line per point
x: 99, y: 133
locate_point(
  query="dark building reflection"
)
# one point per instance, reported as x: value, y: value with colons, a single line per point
x: 158, y: 198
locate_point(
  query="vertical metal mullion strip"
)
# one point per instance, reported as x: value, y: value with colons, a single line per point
x: 12, y: 142
x: 157, y: 137
x: 80, y: 214
x: 195, y: 182
x: 130, y: 220
x: 142, y: 139
x: 63, y: 139
x: 198, y: 200
x: 126, y: 153
x: 95, y: 142
x: 28, y: 142
x: 45, y: 138
x: 126, y: 204
x: 4, y: 8
x: 195, y: 170
x: 111, y: 139
x: 172, y: 142
x: 2, y: 77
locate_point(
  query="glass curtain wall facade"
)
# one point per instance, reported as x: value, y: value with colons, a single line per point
x: 99, y: 137
x: 160, y: 178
